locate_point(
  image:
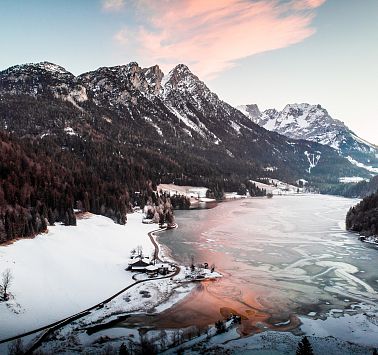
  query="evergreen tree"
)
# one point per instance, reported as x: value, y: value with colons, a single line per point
x: 123, y: 350
x: 304, y: 347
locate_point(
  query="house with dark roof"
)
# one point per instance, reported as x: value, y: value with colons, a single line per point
x: 138, y: 265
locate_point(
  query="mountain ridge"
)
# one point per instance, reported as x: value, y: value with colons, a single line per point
x: 176, y: 108
x: 117, y: 132
x: 314, y: 123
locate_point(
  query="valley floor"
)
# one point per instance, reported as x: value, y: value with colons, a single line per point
x: 68, y: 269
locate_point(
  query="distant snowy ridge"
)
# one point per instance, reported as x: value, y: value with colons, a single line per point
x: 313, y: 122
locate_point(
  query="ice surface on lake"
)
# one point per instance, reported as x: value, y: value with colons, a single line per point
x: 291, y: 253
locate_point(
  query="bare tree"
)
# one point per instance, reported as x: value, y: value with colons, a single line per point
x: 139, y: 251
x: 192, y: 267
x: 153, y: 257
x: 147, y: 346
x: 176, y: 338
x: 6, y: 281
x: 212, y: 268
x: 163, y: 339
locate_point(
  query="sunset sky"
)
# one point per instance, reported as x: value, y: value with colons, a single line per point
x: 269, y: 52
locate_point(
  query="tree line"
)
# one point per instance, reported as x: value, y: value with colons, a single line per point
x: 363, y: 218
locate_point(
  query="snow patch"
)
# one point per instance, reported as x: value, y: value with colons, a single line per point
x: 70, y: 131
x: 229, y: 153
x: 235, y: 126
x: 313, y: 159
x: 158, y: 129
x: 361, y: 165
x: 351, y: 179
x: 187, y: 121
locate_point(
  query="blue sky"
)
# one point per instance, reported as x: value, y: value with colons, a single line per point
x: 269, y: 52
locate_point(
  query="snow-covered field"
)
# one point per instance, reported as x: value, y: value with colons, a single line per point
x: 278, y: 187
x: 351, y: 179
x: 190, y: 191
x: 67, y: 270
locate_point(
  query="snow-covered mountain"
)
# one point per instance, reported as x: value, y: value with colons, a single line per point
x: 252, y: 111
x: 313, y: 122
x: 175, y: 116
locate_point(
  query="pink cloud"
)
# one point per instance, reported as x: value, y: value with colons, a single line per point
x: 212, y: 35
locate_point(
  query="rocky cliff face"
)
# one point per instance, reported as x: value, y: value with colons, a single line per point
x: 252, y: 111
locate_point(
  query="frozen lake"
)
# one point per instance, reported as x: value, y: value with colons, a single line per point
x: 281, y: 258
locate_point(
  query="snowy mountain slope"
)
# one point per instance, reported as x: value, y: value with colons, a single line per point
x: 252, y: 111
x: 313, y: 122
x: 175, y: 116
x: 41, y: 79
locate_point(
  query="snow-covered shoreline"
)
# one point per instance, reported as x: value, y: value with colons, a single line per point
x: 100, y: 248
x: 373, y: 239
x: 68, y: 269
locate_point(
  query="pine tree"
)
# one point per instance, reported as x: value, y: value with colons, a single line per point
x: 304, y: 347
x: 123, y: 350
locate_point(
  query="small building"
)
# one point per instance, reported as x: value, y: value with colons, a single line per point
x: 152, y: 270
x: 162, y: 269
x: 138, y: 265
x: 147, y: 221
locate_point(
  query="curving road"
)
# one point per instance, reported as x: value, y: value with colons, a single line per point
x: 56, y: 325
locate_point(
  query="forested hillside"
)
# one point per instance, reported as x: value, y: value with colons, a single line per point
x: 43, y: 180
x: 363, y: 218
x: 360, y: 189
x: 37, y: 188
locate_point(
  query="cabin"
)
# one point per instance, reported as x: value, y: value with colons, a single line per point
x: 138, y: 265
x: 162, y: 269
x: 147, y: 221
x: 152, y: 270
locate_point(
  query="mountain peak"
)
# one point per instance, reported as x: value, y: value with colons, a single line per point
x: 314, y: 123
x: 36, y: 78
x: 251, y: 110
x: 41, y: 66
x: 182, y: 79
x: 304, y: 106
x: 182, y: 68
x: 178, y: 73
x: 132, y: 65
x: 304, y: 121
x: 51, y: 67
x: 154, y: 77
